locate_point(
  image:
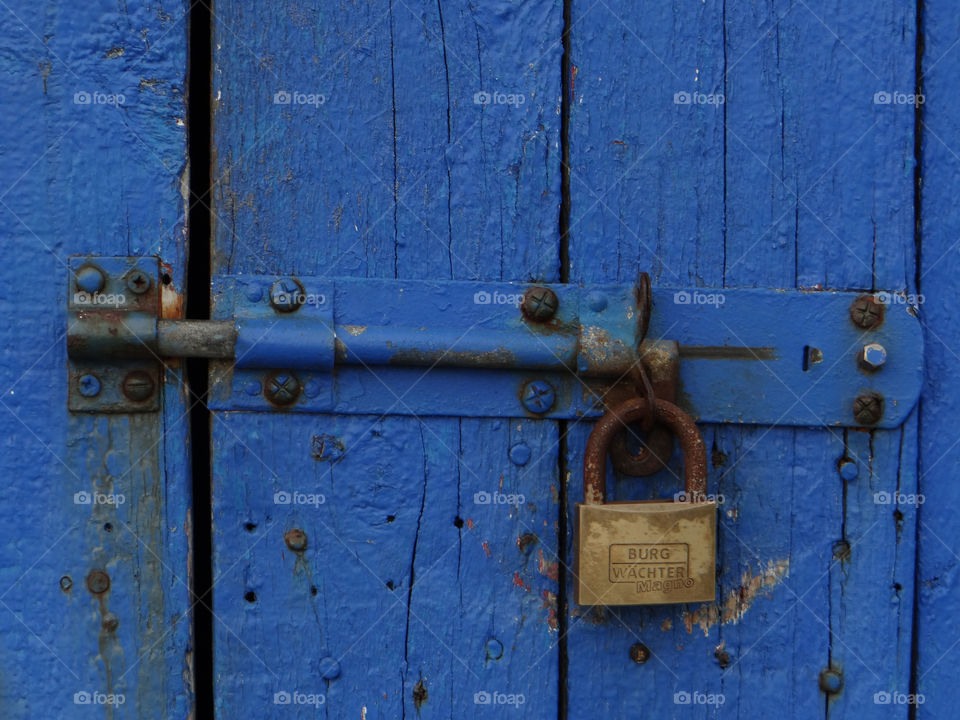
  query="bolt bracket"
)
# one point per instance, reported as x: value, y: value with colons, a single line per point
x: 97, y: 321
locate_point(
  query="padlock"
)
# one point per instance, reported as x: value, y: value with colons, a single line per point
x: 652, y: 552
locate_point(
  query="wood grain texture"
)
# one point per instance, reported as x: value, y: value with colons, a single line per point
x: 81, y: 175
x: 938, y: 551
x: 797, y: 180
x: 423, y: 596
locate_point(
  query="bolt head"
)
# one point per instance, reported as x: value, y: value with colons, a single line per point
x: 539, y: 304
x: 90, y: 279
x: 831, y: 680
x: 868, y: 409
x: 866, y: 312
x: 138, y: 386
x: 89, y: 385
x: 873, y: 356
x: 639, y: 653
x: 329, y: 668
x: 296, y: 540
x: 282, y: 388
x: 138, y: 282
x: 848, y: 469
x: 286, y: 295
x: 98, y: 582
x: 597, y: 301
x: 538, y: 396
x: 520, y: 454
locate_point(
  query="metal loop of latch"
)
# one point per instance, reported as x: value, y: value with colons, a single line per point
x: 658, y: 444
x: 674, y: 420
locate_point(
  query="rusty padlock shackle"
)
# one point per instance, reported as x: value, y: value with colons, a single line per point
x: 682, y: 425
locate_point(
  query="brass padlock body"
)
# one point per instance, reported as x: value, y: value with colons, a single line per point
x: 645, y: 553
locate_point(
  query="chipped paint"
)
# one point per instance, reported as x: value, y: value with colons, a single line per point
x: 549, y: 569
x: 550, y: 605
x: 355, y: 330
x: 739, y: 599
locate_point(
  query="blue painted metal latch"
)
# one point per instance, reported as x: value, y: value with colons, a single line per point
x: 495, y: 349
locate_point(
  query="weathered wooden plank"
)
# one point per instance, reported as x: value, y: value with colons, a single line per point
x: 938, y: 540
x: 85, y: 170
x: 423, y: 596
x: 818, y: 180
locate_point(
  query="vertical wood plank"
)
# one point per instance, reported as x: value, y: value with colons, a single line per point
x: 772, y: 190
x: 93, y: 158
x: 424, y: 597
x: 938, y: 541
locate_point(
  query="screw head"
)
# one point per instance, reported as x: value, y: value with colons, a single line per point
x: 286, y: 295
x: 296, y: 540
x: 89, y: 385
x: 538, y: 396
x: 90, y: 279
x: 866, y: 312
x: 639, y: 653
x: 831, y: 680
x: 138, y: 282
x: 539, y: 304
x: 282, y: 388
x: 66, y: 582
x: 329, y: 668
x: 872, y: 357
x: 868, y: 409
x: 848, y: 469
x: 138, y: 386
x: 98, y: 582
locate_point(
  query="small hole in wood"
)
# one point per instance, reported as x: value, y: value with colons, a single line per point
x: 313, y: 590
x: 166, y: 279
x: 108, y: 527
x: 250, y: 596
x: 390, y: 585
x: 250, y: 527
x: 458, y: 521
x: 391, y: 518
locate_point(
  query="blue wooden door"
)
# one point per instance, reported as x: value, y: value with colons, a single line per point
x: 356, y: 567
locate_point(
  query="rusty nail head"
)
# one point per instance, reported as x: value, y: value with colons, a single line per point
x: 639, y: 653
x: 539, y: 304
x: 296, y: 539
x: 110, y: 622
x: 286, y: 295
x: 868, y: 409
x: 138, y: 386
x: 138, y: 282
x: 329, y: 668
x: 90, y: 279
x: 98, y: 582
x: 848, y: 469
x: 866, y: 312
x: 89, y: 385
x: 282, y: 388
x: 872, y: 357
x: 538, y: 396
x: 831, y: 680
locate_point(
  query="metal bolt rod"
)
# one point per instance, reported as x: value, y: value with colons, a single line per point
x: 196, y: 338
x: 288, y: 343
